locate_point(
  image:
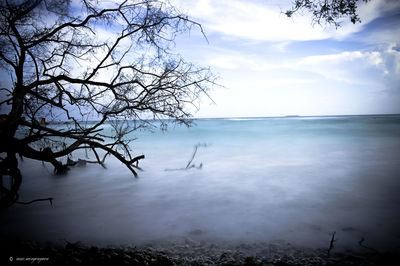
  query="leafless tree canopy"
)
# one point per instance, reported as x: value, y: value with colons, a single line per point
x: 328, y: 11
x: 81, y: 61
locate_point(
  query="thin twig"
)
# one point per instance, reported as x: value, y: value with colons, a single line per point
x: 193, y: 155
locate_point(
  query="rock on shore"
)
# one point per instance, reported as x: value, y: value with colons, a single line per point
x: 15, y: 252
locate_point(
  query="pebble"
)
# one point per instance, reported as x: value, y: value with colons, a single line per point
x: 194, y: 253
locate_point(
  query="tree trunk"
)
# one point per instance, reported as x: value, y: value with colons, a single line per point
x: 9, y: 168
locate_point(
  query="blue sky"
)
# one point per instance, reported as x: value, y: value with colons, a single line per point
x: 271, y: 65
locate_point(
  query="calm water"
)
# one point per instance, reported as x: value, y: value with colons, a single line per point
x: 292, y: 179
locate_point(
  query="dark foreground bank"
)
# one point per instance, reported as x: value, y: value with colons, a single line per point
x: 14, y: 252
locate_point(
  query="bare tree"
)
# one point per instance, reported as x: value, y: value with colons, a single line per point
x: 83, y: 61
x: 327, y: 11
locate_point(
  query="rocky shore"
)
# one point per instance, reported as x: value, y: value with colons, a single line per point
x: 188, y: 252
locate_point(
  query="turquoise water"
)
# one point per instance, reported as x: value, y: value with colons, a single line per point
x: 262, y: 179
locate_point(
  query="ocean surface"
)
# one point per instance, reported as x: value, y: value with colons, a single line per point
x: 296, y: 179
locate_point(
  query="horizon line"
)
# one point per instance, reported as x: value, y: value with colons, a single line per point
x: 294, y: 116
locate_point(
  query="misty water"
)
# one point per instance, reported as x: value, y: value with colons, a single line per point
x: 294, y: 179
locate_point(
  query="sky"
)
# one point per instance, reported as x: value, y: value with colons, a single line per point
x: 271, y: 65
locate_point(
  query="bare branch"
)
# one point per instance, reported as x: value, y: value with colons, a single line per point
x: 70, y: 82
x: 327, y: 11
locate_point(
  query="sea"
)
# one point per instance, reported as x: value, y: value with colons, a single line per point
x: 249, y: 180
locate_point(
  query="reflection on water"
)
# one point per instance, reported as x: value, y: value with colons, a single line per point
x: 291, y: 179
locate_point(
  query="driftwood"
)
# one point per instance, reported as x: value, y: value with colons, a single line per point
x: 331, y: 244
x: 189, y: 165
x: 36, y: 200
x: 361, y: 243
x: 367, y: 247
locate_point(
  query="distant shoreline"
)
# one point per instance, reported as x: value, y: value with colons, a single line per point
x: 297, y: 116
x: 246, y: 118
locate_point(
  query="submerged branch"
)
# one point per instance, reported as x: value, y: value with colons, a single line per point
x: 367, y: 247
x: 36, y: 200
x: 189, y: 165
x: 331, y: 244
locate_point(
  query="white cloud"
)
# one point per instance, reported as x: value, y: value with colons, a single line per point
x: 367, y: 13
x: 251, y: 20
x: 281, y: 46
x: 349, y: 67
x: 339, y: 83
x: 266, y: 75
x: 280, y: 82
x: 352, y: 67
x: 264, y: 21
x: 232, y: 61
x: 393, y: 51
